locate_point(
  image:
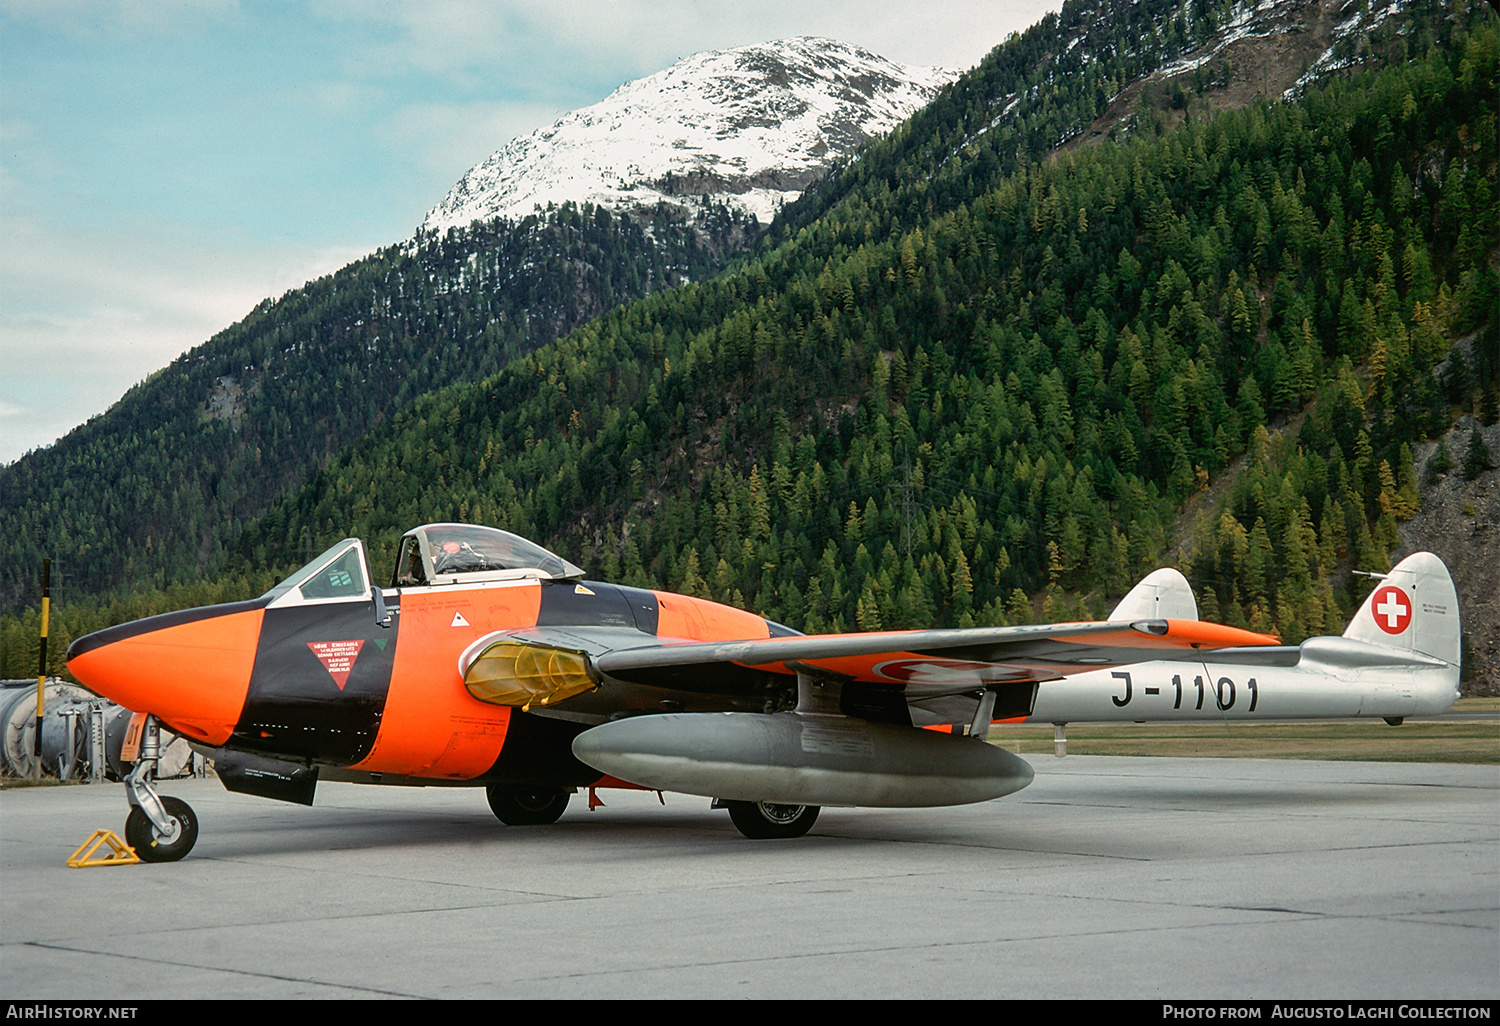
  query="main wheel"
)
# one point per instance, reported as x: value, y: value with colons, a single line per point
x: 763, y: 820
x: 526, y: 808
x: 151, y: 844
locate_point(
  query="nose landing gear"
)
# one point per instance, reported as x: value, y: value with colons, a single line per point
x: 159, y: 829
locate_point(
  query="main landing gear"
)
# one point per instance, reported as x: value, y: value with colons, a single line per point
x: 525, y: 808
x: 766, y: 820
x: 159, y: 829
x: 756, y: 820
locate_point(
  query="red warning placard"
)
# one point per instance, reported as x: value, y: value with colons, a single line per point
x: 338, y: 657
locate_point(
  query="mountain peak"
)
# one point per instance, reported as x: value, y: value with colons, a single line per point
x: 751, y: 127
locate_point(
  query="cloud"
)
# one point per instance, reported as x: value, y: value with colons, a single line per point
x: 537, y: 42
x: 450, y: 138
x: 120, y: 20
x: 87, y: 313
x: 467, y: 40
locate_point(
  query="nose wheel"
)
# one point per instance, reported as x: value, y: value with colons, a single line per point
x: 153, y: 844
x: 159, y: 829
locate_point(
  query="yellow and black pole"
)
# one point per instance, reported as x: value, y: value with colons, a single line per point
x: 41, y: 669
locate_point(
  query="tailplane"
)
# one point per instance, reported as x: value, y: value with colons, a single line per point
x: 1413, y: 609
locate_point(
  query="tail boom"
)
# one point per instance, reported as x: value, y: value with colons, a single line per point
x: 1398, y: 657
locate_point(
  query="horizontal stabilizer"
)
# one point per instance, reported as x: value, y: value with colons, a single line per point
x: 1267, y: 655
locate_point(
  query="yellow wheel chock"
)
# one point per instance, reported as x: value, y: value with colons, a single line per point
x: 120, y: 854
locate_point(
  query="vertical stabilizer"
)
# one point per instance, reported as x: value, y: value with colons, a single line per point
x: 1414, y: 609
x: 1162, y: 595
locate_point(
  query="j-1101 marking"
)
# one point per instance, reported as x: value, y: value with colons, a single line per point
x: 1221, y: 702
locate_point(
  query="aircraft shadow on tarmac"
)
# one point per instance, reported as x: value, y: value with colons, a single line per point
x: 687, y: 826
x: 340, y: 830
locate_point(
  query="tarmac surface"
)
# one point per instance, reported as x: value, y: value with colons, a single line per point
x: 1151, y: 878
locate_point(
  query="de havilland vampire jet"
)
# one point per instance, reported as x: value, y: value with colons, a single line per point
x: 491, y: 662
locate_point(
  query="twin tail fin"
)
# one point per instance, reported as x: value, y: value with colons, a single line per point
x: 1413, y: 609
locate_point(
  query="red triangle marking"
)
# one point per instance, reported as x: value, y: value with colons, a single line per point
x: 338, y: 657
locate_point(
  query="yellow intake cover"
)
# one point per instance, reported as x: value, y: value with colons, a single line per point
x: 517, y: 674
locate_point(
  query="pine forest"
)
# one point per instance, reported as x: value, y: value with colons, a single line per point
x: 974, y: 377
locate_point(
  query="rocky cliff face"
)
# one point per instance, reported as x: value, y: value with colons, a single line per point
x: 1460, y: 522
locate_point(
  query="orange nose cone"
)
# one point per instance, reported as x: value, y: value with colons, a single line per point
x: 191, y: 670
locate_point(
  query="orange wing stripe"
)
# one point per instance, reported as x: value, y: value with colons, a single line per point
x: 1180, y: 634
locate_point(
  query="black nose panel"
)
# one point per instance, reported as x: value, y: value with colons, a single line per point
x: 319, y: 685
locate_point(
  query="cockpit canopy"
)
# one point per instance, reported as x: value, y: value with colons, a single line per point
x: 450, y: 553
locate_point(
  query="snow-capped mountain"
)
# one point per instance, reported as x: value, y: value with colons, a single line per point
x: 751, y: 127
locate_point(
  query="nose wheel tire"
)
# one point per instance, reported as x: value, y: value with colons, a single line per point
x: 526, y: 808
x: 153, y: 845
x: 766, y: 820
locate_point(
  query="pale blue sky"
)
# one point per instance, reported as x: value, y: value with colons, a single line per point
x: 164, y: 166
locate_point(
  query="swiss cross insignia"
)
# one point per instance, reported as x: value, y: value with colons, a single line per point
x: 1392, y: 609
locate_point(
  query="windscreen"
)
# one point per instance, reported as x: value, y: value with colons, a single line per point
x: 337, y: 572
